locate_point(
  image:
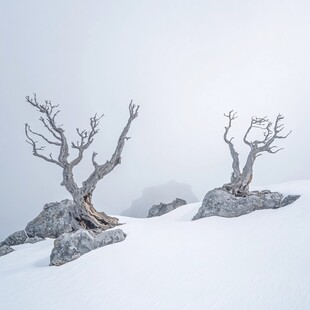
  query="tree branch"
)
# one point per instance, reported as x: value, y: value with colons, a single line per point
x: 270, y: 134
x: 35, y: 148
x: 86, y: 139
x: 235, y: 156
x: 101, y: 170
x: 48, y: 119
x: 266, y: 144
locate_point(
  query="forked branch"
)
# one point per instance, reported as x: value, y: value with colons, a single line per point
x: 235, y: 156
x: 270, y: 135
x: 48, y: 119
x: 86, y: 138
x: 101, y: 170
x: 36, y: 148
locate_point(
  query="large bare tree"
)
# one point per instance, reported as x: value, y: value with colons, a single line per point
x: 84, y: 210
x: 240, y: 181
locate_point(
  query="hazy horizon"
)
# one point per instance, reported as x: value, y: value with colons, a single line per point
x: 184, y: 62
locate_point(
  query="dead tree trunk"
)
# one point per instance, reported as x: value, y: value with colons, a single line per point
x: 240, y: 182
x: 84, y: 210
x: 236, y: 174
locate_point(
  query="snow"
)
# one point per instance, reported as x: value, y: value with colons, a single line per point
x: 257, y: 261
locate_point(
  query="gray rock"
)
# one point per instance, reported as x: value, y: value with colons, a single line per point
x: 271, y: 200
x: 71, y: 246
x: 5, y: 249
x: 34, y: 239
x: 16, y: 238
x: 108, y: 237
x: 162, y: 208
x: 289, y: 199
x: 55, y: 219
x: 219, y: 202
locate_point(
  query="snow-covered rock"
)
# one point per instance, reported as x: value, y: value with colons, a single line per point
x: 162, y: 208
x: 70, y: 246
x: 55, y: 219
x: 5, y: 249
x: 19, y: 237
x: 219, y: 202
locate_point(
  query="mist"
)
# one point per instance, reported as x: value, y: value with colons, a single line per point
x: 184, y: 62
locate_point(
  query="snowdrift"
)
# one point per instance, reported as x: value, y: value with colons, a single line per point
x: 256, y: 261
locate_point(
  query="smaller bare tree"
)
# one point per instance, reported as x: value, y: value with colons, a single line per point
x: 84, y: 211
x: 240, y: 181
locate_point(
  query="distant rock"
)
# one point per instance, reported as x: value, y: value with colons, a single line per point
x: 5, y: 249
x: 16, y: 238
x: 219, y: 202
x: 162, y: 208
x: 55, y: 219
x: 164, y: 192
x: 70, y: 246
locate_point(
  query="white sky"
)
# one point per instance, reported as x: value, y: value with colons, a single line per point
x: 184, y: 62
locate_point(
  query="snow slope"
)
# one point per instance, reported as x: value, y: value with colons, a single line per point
x: 257, y: 261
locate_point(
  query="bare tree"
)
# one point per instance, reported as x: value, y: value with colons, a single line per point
x: 84, y: 210
x: 240, y: 181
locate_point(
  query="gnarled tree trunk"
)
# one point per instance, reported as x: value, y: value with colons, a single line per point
x: 240, y: 182
x: 90, y: 218
x: 84, y: 211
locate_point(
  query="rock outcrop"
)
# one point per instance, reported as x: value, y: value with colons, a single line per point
x: 70, y: 246
x: 219, y: 202
x: 55, y: 219
x: 5, y: 249
x: 16, y: 238
x: 162, y: 208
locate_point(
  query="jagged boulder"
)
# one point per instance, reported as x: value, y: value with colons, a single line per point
x: 55, y: 219
x: 219, y: 202
x: 70, y: 246
x: 162, y: 208
x: 19, y: 237
x: 5, y: 249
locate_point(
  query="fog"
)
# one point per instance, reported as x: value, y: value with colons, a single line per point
x: 184, y: 62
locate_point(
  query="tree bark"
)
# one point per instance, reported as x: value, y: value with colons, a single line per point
x: 89, y: 217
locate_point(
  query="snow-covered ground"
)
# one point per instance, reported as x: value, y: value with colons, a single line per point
x: 257, y: 261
